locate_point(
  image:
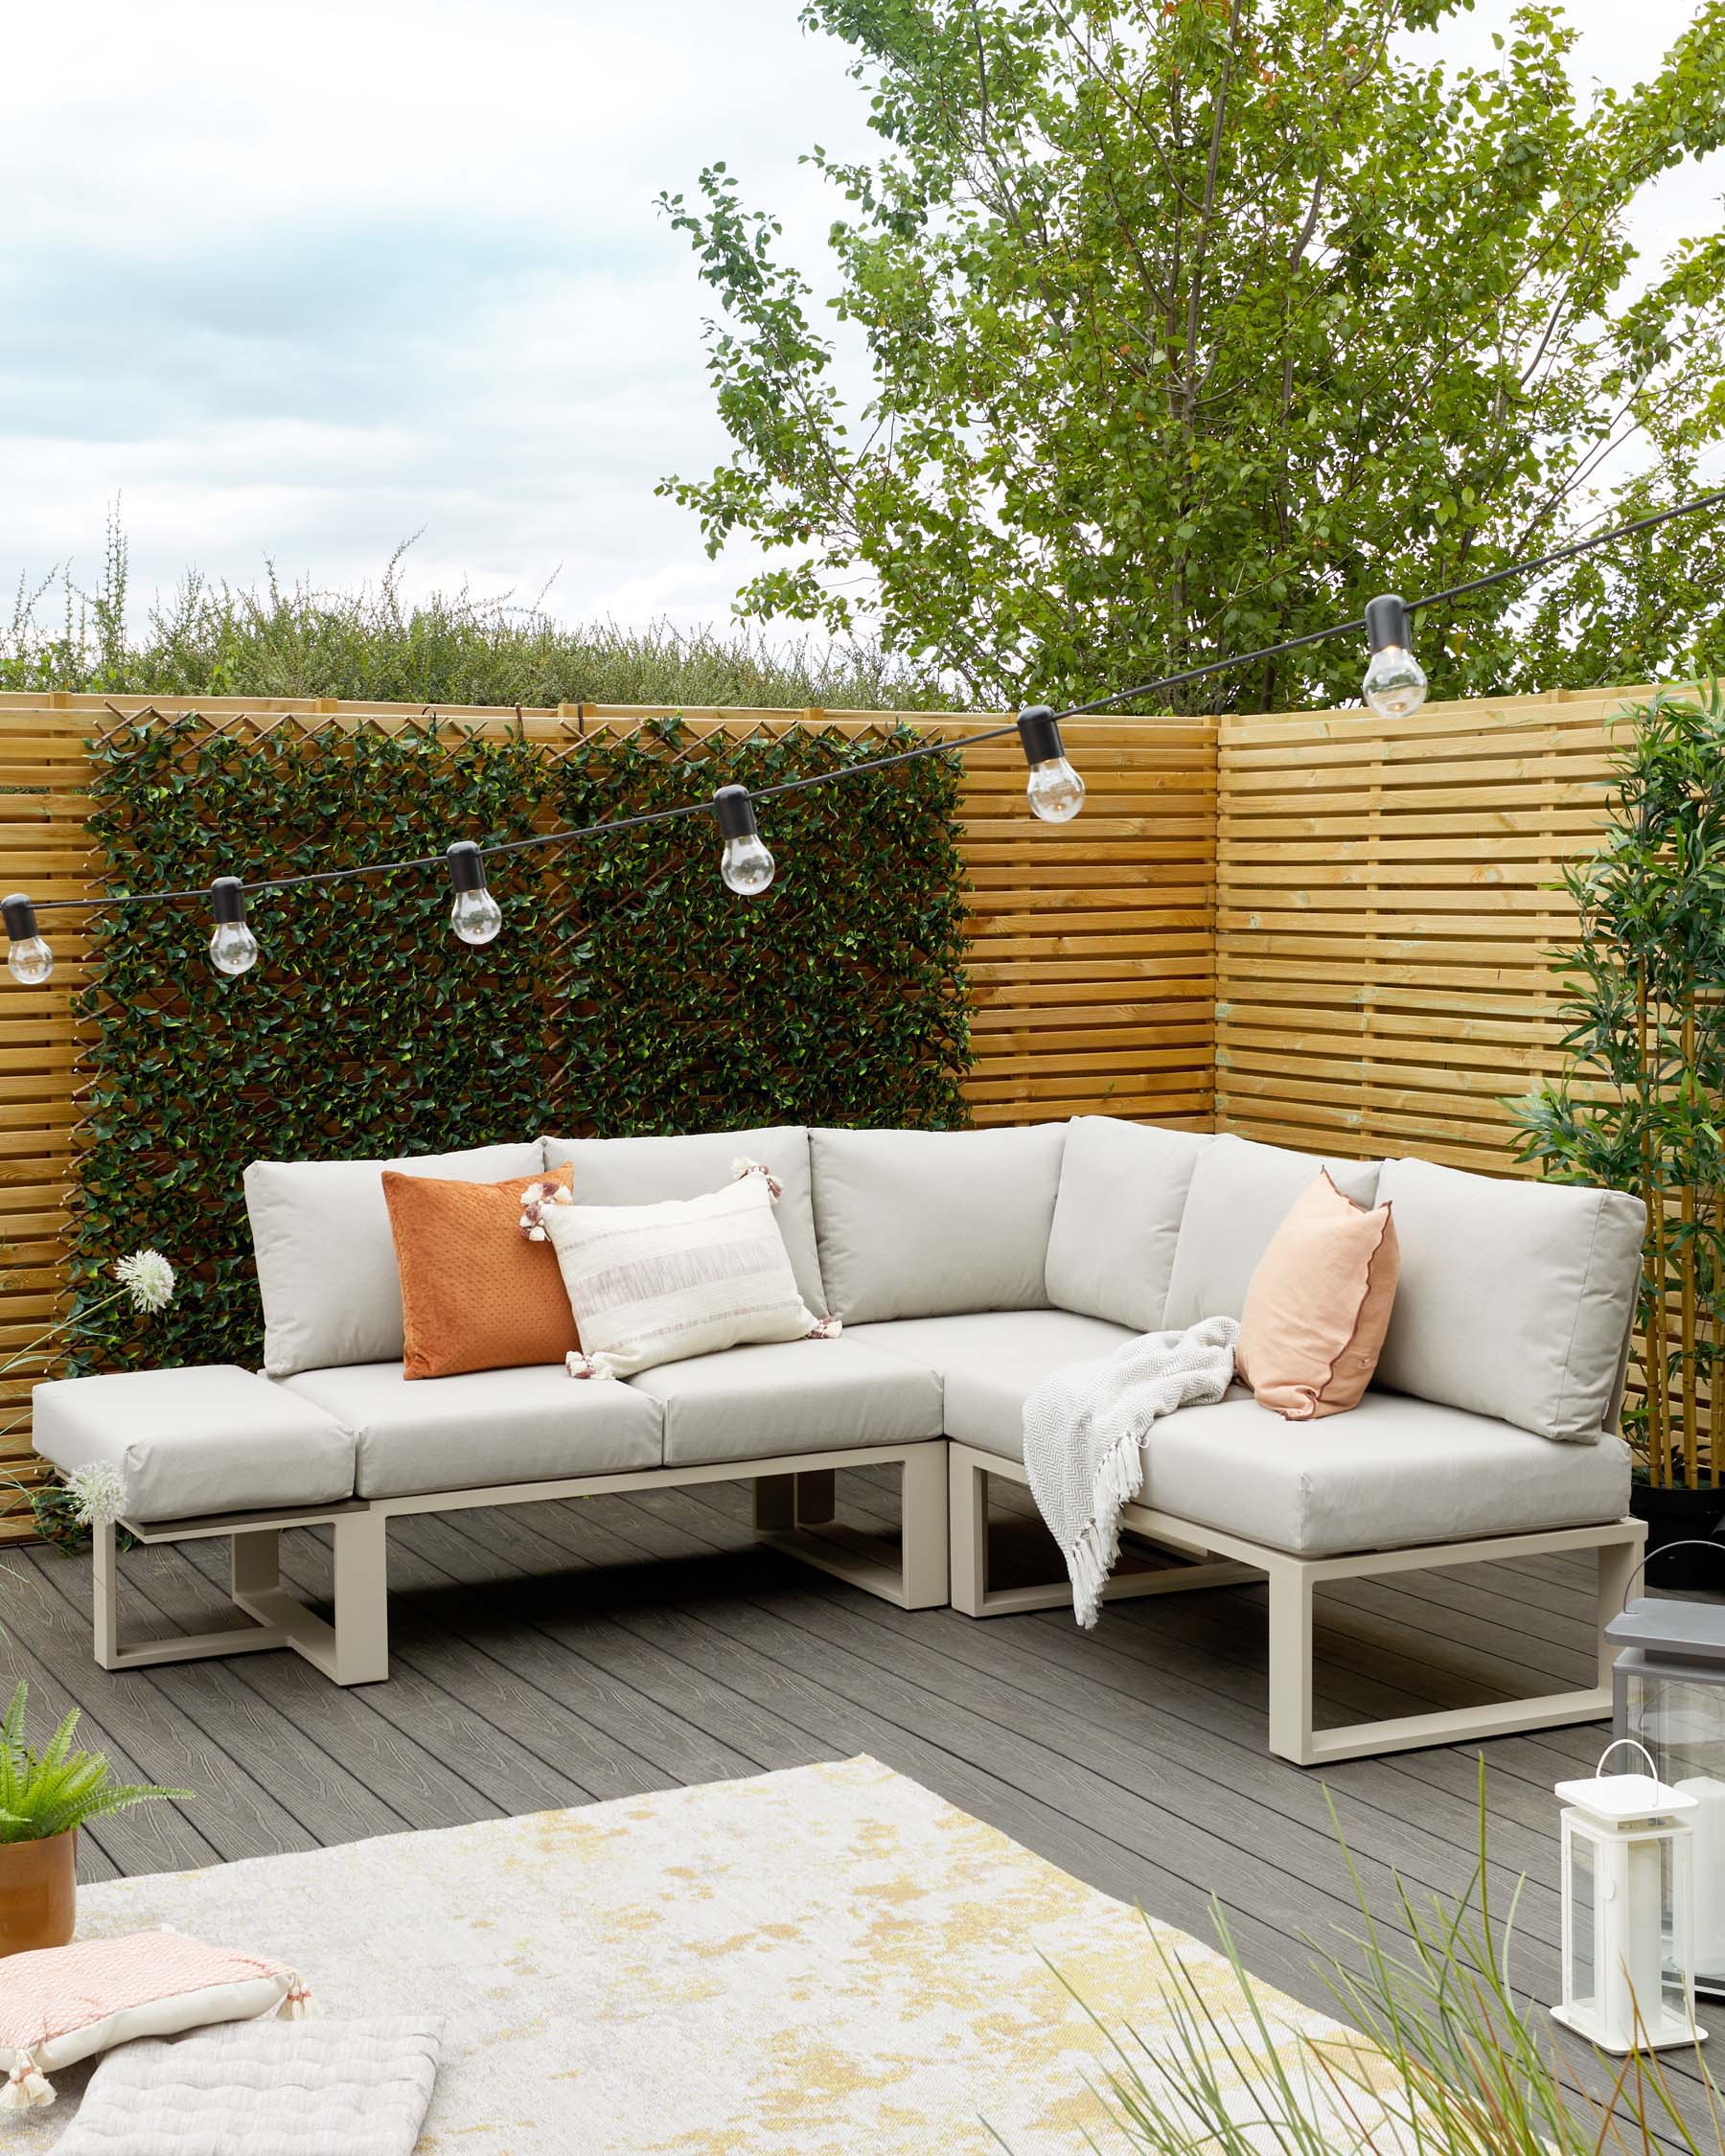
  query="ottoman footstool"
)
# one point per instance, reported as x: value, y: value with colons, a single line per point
x: 216, y: 1452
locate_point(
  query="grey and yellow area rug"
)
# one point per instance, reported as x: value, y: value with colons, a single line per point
x: 824, y: 1961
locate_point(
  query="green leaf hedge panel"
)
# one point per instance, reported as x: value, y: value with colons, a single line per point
x: 630, y: 991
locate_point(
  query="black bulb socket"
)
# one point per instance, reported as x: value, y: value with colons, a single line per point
x: 19, y: 917
x: 1387, y: 624
x: 1040, y: 732
x: 467, y: 865
x: 734, y: 808
x: 227, y: 902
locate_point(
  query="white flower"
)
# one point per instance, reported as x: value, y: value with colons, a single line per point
x: 98, y: 1493
x: 147, y: 1277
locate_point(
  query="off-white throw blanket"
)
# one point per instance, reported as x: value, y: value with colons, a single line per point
x: 1084, y: 1431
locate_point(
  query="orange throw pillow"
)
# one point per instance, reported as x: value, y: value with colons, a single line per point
x: 475, y: 1293
x: 1318, y: 1305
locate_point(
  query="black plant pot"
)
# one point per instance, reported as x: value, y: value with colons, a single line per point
x: 1681, y: 1514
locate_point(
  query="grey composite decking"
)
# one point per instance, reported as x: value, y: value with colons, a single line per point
x: 564, y: 1653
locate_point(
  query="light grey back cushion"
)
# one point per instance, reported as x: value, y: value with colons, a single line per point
x: 924, y: 1223
x: 1515, y: 1299
x: 326, y: 1253
x: 1116, y: 1220
x: 647, y: 1171
x: 1240, y: 1194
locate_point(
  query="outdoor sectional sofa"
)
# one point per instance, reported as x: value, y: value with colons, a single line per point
x: 964, y: 1266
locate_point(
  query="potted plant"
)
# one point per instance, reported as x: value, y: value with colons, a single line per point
x: 1637, y: 1105
x: 45, y: 1798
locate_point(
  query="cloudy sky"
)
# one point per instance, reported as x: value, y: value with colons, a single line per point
x: 298, y: 282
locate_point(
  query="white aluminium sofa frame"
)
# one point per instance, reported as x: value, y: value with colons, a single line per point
x: 1215, y: 1559
x: 794, y: 1513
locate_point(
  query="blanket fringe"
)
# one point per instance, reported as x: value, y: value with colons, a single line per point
x: 1091, y: 1557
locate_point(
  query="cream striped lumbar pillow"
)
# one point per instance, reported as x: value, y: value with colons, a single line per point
x: 652, y: 1284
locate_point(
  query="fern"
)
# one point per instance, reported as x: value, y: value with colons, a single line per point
x: 48, y: 1793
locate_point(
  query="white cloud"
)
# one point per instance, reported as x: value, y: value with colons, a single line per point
x: 299, y: 280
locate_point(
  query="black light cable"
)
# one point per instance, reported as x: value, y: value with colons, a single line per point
x: 1395, y: 687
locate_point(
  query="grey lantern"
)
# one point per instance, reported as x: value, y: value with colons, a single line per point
x: 1669, y: 1694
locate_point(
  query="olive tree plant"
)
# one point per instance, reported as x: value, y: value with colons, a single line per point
x: 1639, y: 1102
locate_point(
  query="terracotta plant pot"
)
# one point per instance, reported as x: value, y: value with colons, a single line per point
x: 39, y: 1892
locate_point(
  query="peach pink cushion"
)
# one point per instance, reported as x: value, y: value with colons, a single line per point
x: 1318, y: 1305
x: 62, y: 2003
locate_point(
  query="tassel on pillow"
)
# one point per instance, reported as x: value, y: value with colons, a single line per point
x: 742, y: 1166
x: 27, y: 2087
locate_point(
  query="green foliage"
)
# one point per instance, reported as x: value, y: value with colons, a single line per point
x: 1191, y: 325
x: 213, y: 640
x: 48, y: 1793
x: 1637, y: 1105
x: 838, y: 997
x: 1446, y: 2062
x: 629, y: 992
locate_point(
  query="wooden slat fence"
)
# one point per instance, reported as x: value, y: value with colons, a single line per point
x: 1091, y: 947
x: 1385, y: 915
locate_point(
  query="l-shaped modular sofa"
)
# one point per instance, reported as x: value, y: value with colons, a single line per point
x: 965, y: 1266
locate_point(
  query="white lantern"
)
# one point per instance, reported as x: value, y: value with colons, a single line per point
x: 1628, y: 1918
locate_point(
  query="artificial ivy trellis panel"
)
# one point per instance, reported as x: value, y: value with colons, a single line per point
x: 628, y: 990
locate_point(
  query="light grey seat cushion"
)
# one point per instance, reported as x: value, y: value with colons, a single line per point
x: 488, y: 1426
x: 799, y: 1396
x: 989, y: 1359
x: 1515, y: 1299
x: 1239, y: 1195
x: 1116, y: 1220
x: 920, y: 1224
x: 1391, y: 1474
x: 325, y: 1254
x: 646, y: 1171
x: 185, y: 1443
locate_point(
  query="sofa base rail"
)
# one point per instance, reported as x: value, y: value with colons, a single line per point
x: 1212, y: 1559
x: 794, y: 1513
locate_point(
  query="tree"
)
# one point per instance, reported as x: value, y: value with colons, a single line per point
x: 1192, y: 324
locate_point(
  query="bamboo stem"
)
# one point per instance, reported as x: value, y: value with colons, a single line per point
x: 1653, y: 1259
x: 1691, y: 1461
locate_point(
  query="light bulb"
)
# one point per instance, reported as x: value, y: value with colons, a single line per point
x: 745, y: 864
x: 476, y: 917
x: 1395, y: 683
x: 1055, y: 790
x: 233, y: 948
x: 28, y: 957
x: 747, y: 867
x: 30, y: 960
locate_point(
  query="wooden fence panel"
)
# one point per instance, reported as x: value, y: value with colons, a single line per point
x: 1091, y: 945
x: 1385, y: 914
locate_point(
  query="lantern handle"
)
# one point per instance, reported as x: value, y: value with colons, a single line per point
x: 1628, y: 1744
x: 1690, y: 1542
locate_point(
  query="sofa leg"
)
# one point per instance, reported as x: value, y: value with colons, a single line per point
x: 793, y: 1514
x: 967, y: 1504
x: 179, y: 1646
x: 1291, y: 1663
x: 923, y: 1535
x: 1619, y: 1562
x: 354, y: 1648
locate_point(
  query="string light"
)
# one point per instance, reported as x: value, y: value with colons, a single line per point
x: 1395, y: 688
x: 233, y: 948
x: 476, y: 917
x: 745, y: 864
x: 1395, y: 683
x: 1056, y: 791
x: 28, y: 957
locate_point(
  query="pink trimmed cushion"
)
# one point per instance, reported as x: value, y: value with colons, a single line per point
x: 1318, y: 1306
x: 62, y: 2003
